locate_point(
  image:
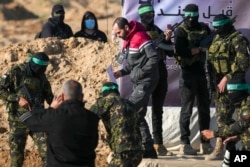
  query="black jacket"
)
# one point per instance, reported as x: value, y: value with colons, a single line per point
x: 51, y: 29
x: 72, y: 133
x: 98, y: 35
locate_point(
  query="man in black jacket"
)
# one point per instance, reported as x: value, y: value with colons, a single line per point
x: 192, y: 84
x: 55, y: 26
x: 142, y: 66
x: 72, y: 130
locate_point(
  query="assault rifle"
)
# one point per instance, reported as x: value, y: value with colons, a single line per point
x: 159, y: 41
x: 207, y: 68
x: 33, y: 101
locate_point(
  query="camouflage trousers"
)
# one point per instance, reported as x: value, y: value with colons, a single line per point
x: 245, y: 136
x: 126, y: 159
x: 17, y: 141
x: 225, y: 110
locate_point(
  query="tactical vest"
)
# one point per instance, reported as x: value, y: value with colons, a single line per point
x: 31, y: 88
x: 194, y: 38
x: 154, y: 35
x: 222, y: 54
x: 33, y: 85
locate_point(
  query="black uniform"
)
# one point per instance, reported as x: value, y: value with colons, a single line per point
x: 51, y: 29
x: 192, y: 79
x: 55, y: 26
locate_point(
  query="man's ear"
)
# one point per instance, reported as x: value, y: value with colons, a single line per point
x: 63, y: 96
x: 126, y: 27
x: 82, y: 97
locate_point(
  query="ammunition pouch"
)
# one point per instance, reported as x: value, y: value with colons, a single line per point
x: 222, y: 65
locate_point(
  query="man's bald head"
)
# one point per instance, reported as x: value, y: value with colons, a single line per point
x: 72, y: 90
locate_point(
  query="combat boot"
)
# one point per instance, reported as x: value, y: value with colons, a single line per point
x: 161, y: 150
x: 150, y: 154
x: 206, y: 148
x: 217, y: 154
x: 186, y: 149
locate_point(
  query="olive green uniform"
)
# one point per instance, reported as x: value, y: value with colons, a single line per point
x: 229, y: 57
x: 239, y: 127
x: 121, y: 123
x: 19, y: 82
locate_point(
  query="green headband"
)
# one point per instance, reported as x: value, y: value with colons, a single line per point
x: 191, y: 14
x: 145, y: 9
x: 38, y: 61
x: 220, y: 22
x: 58, y: 14
x: 107, y: 88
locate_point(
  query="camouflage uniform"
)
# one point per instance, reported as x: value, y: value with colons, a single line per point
x: 120, y: 120
x: 244, y: 124
x: 19, y: 82
x: 241, y: 126
x: 229, y: 57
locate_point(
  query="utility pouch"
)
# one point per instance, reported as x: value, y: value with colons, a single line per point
x: 222, y: 65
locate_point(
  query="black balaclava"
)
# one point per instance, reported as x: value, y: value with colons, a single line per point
x: 38, y: 63
x: 222, y: 25
x: 58, y: 14
x: 147, y: 14
x: 109, y: 87
x: 191, y: 11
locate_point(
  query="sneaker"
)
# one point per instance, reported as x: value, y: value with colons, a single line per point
x: 161, y: 150
x: 186, y: 149
x: 150, y: 154
x: 206, y: 148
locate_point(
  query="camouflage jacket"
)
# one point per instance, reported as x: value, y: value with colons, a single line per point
x: 229, y: 55
x: 120, y: 120
x: 242, y: 123
x: 19, y: 83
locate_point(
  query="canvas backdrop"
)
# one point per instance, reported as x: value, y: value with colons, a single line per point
x: 167, y: 13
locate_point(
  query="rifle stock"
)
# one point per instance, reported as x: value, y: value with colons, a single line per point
x: 159, y: 41
x: 208, y: 75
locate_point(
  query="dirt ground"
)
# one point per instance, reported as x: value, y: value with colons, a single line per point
x: 74, y: 58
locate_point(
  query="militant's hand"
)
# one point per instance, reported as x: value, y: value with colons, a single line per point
x: 168, y: 34
x: 57, y: 100
x: 207, y: 134
x: 24, y: 103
